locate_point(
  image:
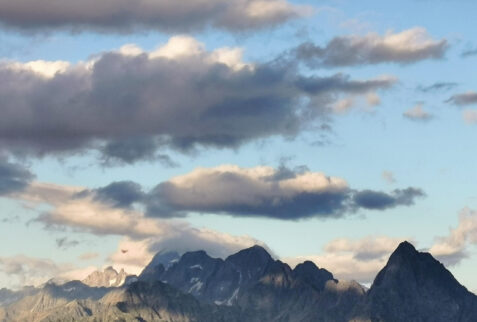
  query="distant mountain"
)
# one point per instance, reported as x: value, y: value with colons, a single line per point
x: 109, y: 277
x: 413, y: 286
x: 252, y: 286
x: 8, y: 296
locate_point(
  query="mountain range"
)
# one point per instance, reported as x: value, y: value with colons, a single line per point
x: 249, y: 286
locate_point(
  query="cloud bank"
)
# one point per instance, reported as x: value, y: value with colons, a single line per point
x: 129, y: 104
x: 126, y: 16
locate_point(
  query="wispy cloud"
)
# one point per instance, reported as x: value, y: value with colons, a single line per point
x: 406, y: 47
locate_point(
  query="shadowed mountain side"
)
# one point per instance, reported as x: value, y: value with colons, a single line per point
x: 415, y: 287
x: 138, y: 302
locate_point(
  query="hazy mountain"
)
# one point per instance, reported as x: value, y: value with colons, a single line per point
x: 252, y: 286
x: 8, y: 296
x: 109, y: 277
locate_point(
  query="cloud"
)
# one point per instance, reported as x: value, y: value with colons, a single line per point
x: 470, y: 116
x: 462, y: 99
x: 377, y: 200
x: 88, y: 256
x: 65, y: 243
x: 13, y: 177
x: 134, y: 254
x: 388, y: 176
x: 72, y: 209
x: 406, y: 47
x: 417, y: 113
x: 23, y: 270
x: 349, y: 259
x: 120, y: 194
x: 262, y: 191
x: 439, y: 86
x: 126, y: 16
x: 452, y: 249
x: 469, y: 53
x: 129, y: 104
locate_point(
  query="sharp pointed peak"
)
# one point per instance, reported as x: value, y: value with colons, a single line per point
x: 405, y: 249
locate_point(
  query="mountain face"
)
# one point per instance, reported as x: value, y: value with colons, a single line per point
x: 251, y: 286
x: 414, y: 287
x: 107, y: 278
x: 252, y: 279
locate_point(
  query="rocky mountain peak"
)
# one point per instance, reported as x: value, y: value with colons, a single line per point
x: 255, y: 255
x: 415, y: 284
x: 109, y: 277
x: 316, y: 277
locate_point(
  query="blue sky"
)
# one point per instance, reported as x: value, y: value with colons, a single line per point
x: 432, y: 152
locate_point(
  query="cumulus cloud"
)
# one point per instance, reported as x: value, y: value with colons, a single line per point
x: 13, y: 177
x: 462, y: 99
x: 262, y: 191
x: 406, y: 47
x: 452, y: 249
x: 129, y: 104
x: 359, y: 259
x: 417, y: 113
x: 126, y: 16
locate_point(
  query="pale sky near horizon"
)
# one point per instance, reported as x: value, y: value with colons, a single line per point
x: 325, y: 130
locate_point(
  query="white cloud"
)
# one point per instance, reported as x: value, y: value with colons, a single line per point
x: 47, y: 69
x: 350, y: 259
x: 405, y: 47
x: 452, y: 249
x: 24, y: 270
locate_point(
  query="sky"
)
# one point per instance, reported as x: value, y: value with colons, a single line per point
x: 322, y: 130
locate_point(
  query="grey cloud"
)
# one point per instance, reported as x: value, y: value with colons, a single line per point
x: 462, y: 99
x: 124, y: 16
x: 180, y: 102
x: 66, y: 243
x: 131, y: 150
x: 13, y: 177
x: 283, y: 193
x: 407, y: 47
x: 376, y: 200
x: 121, y: 194
x: 439, y: 86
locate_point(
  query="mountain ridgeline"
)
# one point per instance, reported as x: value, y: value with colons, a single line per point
x: 250, y: 286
